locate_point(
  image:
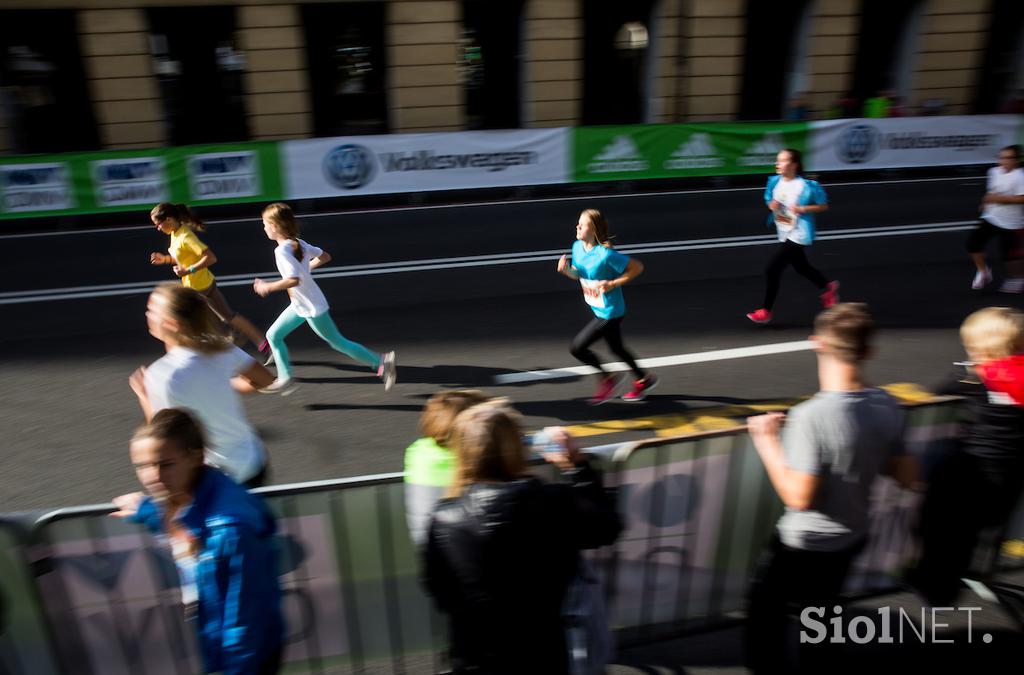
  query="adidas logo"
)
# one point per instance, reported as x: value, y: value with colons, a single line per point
x: 619, y: 155
x: 696, y: 152
x: 763, y: 152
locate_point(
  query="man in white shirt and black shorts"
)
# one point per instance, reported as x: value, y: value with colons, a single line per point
x: 1002, y: 216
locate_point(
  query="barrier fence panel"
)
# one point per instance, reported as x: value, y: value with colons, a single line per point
x: 25, y: 644
x: 351, y: 593
x: 697, y: 512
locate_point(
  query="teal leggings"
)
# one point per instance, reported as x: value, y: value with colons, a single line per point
x: 323, y: 326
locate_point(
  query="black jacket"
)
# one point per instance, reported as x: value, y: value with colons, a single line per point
x: 498, y: 562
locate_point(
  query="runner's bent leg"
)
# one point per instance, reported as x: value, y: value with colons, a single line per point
x: 799, y: 261
x: 323, y: 326
x: 773, y: 273
x: 580, y: 347
x: 613, y: 336
x: 285, y: 324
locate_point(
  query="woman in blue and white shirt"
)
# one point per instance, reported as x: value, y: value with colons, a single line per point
x: 794, y: 201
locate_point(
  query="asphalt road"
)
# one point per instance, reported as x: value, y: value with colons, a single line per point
x: 466, y: 294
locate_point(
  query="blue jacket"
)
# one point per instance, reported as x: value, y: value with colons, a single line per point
x: 803, y: 231
x: 239, y: 605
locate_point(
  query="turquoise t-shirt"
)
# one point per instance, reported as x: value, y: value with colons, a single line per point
x: 600, y: 264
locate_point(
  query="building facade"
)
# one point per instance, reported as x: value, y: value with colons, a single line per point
x: 105, y: 74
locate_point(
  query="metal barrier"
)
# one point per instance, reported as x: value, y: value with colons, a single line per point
x: 25, y: 644
x: 698, y: 510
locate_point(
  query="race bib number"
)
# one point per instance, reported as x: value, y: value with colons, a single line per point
x: 784, y: 217
x: 592, y: 294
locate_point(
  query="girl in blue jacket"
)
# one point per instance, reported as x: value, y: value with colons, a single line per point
x: 794, y: 201
x: 222, y: 541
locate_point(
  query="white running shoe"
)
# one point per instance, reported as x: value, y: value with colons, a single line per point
x: 981, y: 279
x: 387, y: 370
x: 284, y: 387
x: 1012, y: 285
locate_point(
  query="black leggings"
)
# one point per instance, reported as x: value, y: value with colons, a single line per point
x: 786, y: 254
x: 1009, y: 240
x: 611, y: 331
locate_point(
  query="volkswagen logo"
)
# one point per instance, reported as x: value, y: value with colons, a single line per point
x: 349, y: 166
x: 858, y: 144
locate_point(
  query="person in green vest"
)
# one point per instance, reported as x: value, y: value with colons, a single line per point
x: 877, y: 106
x: 429, y: 464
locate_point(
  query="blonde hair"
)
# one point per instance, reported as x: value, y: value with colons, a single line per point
x: 847, y: 329
x: 283, y: 218
x: 198, y: 327
x: 600, y: 224
x: 488, y: 445
x: 993, y: 333
x: 442, y: 408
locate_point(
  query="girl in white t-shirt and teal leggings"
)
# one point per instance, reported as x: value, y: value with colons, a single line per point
x: 794, y: 201
x: 295, y: 261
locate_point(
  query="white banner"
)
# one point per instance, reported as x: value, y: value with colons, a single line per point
x: 909, y: 141
x: 36, y: 187
x: 220, y: 175
x: 129, y: 180
x: 337, y: 167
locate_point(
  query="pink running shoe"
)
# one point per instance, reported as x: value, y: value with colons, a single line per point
x: 831, y: 295
x: 760, y: 316
x: 605, y: 390
x: 641, y: 388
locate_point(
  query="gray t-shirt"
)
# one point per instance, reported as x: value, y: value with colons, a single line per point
x: 844, y: 437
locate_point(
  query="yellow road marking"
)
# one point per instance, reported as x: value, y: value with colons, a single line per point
x: 719, y: 417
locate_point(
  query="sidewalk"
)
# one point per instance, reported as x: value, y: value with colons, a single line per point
x: 721, y: 652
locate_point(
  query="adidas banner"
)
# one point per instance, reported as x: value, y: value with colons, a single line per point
x: 676, y: 150
x: 910, y: 141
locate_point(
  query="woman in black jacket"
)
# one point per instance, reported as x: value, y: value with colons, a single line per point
x: 503, y: 548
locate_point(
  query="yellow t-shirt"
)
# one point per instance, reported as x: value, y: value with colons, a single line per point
x: 187, y: 249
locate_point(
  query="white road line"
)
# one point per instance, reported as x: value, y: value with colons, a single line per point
x: 374, y: 269
x: 658, y: 362
x: 537, y: 200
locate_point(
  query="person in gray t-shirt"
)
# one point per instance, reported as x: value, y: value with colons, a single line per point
x: 821, y: 460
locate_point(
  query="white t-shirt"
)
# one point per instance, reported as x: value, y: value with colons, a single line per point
x: 787, y: 194
x: 307, y: 298
x: 201, y: 383
x: 1008, y: 184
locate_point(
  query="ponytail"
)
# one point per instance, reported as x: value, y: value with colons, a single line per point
x: 180, y: 212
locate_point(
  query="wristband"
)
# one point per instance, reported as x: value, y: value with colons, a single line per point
x: 191, y: 269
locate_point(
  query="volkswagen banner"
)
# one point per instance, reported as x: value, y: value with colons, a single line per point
x: 909, y: 141
x: 338, y: 167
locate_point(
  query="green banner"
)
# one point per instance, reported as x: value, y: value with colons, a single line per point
x: 100, y: 182
x: 679, y: 150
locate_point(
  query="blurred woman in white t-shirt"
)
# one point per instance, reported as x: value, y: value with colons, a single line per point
x: 1002, y: 217
x: 295, y: 261
x: 203, y: 373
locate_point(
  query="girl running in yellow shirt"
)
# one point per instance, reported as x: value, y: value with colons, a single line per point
x: 192, y: 260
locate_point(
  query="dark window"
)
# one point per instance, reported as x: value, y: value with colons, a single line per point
x: 770, y: 50
x: 200, y: 69
x: 346, y: 56
x: 489, y: 62
x: 43, y: 89
x: 881, y: 48
x: 615, y: 61
x: 1001, y: 83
